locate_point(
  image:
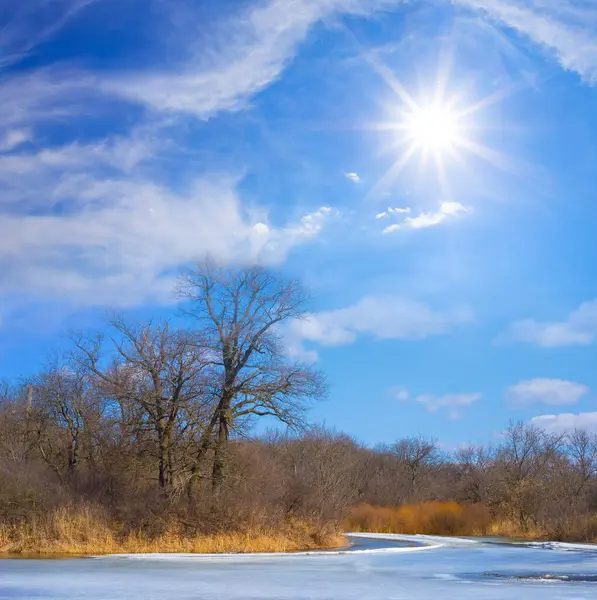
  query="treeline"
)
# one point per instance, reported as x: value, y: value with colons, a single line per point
x: 139, y: 438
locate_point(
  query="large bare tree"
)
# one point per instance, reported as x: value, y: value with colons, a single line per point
x: 240, y: 312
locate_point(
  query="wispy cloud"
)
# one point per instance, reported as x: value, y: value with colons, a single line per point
x: 393, y: 211
x: 379, y: 317
x: 14, y: 138
x: 29, y: 23
x: 123, y: 234
x: 453, y: 404
x: 567, y: 422
x: 259, y: 45
x: 546, y: 391
x: 354, y: 177
x: 566, y: 29
x: 401, y: 394
x: 579, y: 328
x: 446, y: 211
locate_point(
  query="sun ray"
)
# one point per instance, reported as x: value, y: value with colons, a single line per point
x: 392, y: 173
x: 496, y: 159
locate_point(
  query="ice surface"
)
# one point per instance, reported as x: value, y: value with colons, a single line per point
x: 563, y: 546
x: 451, y: 570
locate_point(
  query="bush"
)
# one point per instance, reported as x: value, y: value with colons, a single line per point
x: 432, y: 518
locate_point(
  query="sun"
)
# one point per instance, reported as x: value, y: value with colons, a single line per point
x: 440, y: 128
x: 433, y: 128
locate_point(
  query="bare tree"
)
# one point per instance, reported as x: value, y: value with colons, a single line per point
x: 522, y: 470
x: 66, y: 396
x: 239, y: 313
x: 473, y: 465
x: 581, y: 448
x: 416, y: 455
x: 157, y: 374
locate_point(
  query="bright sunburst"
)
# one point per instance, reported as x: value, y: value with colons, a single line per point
x: 436, y: 127
x: 433, y: 129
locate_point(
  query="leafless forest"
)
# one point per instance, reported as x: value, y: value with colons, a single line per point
x: 150, y: 427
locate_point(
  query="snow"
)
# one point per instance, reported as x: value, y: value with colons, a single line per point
x: 378, y: 567
x: 563, y: 546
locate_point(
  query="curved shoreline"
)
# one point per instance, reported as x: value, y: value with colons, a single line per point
x: 416, y: 544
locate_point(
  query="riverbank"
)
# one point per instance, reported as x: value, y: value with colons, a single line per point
x: 82, y: 532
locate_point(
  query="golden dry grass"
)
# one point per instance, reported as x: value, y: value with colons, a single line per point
x: 582, y: 528
x: 450, y: 518
x: 84, y: 532
x: 434, y: 518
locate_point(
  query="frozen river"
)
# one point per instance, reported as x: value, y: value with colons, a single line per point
x: 401, y: 568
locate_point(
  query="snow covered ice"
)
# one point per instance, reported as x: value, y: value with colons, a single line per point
x: 378, y: 567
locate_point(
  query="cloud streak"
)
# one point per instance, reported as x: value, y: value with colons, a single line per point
x: 260, y: 44
x: 20, y: 31
x: 567, y: 30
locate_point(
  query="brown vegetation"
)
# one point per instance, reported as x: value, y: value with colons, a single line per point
x: 139, y: 440
x: 431, y: 518
x: 85, y: 530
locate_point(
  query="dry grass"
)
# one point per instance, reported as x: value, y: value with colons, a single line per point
x: 582, y: 528
x: 433, y: 518
x: 450, y: 518
x: 84, y: 531
x: 510, y: 528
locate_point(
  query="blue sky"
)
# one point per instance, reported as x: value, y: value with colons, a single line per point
x: 453, y: 291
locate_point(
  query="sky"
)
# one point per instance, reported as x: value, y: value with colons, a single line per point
x: 428, y: 169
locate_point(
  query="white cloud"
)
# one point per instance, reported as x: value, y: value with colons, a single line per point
x: 565, y: 28
x: 14, y: 138
x: 393, y: 211
x: 547, y: 391
x: 452, y: 403
x: 401, y: 394
x: 352, y: 177
x: 579, y: 328
x: 122, y: 237
x: 567, y: 422
x: 381, y: 317
x: 271, y: 245
x: 258, y: 46
x: 446, y: 210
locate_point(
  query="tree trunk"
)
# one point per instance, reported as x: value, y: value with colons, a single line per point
x: 220, y: 466
x: 72, y: 457
x: 162, y: 461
